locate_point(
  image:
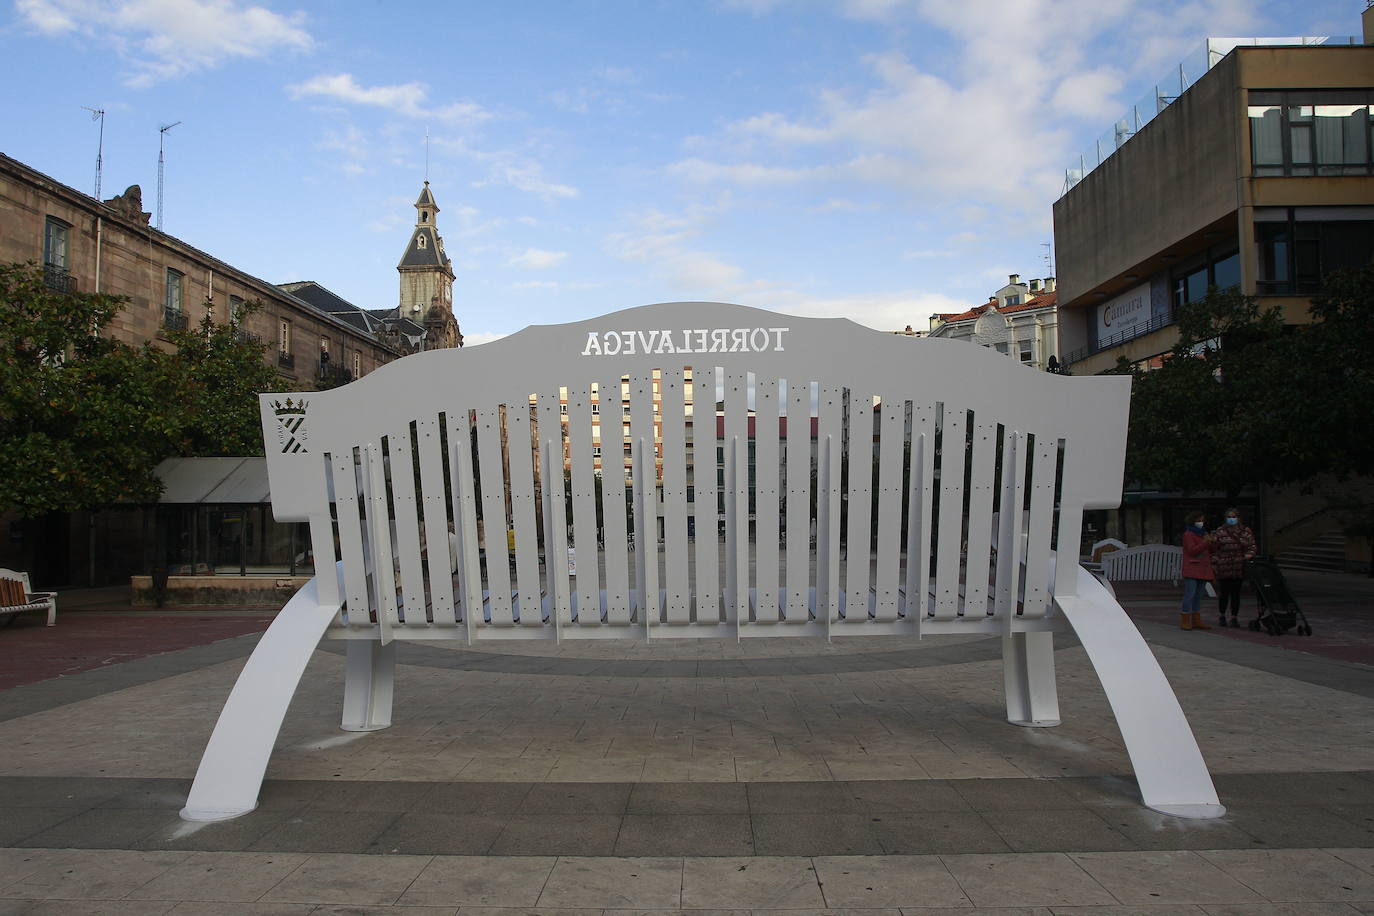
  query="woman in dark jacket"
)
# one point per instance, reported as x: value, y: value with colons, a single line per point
x: 1197, y: 570
x: 1235, y: 543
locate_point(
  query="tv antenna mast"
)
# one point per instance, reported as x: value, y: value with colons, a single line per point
x: 1048, y: 256
x: 161, y: 135
x: 98, y: 114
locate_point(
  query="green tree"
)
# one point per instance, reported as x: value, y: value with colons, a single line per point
x: 1207, y: 418
x: 221, y: 372
x: 83, y: 418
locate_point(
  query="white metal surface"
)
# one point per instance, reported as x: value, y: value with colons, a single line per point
x: 933, y: 513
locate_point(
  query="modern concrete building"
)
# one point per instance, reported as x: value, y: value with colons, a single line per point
x: 1254, y: 170
x: 1258, y: 175
x: 1020, y: 320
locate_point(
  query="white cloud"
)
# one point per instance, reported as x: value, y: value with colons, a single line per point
x: 884, y: 311
x: 536, y: 259
x: 164, y: 39
x: 664, y: 241
x: 1090, y: 94
x: 477, y: 338
x: 927, y: 253
x: 744, y: 174
x: 408, y: 99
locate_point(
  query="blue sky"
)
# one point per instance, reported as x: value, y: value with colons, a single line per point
x: 876, y: 159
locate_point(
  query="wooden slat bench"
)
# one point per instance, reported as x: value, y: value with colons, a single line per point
x: 782, y: 477
x: 17, y: 596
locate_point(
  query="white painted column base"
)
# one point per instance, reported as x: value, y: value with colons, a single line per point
x: 1028, y: 674
x: 369, y: 684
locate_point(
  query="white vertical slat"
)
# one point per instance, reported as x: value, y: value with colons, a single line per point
x: 829, y: 434
x: 982, y: 483
x: 400, y: 463
x: 350, y: 537
x: 1009, y: 545
x: 922, y: 488
x: 428, y: 442
x: 737, y: 498
x: 644, y: 460
x: 555, y: 510
x: 1070, y: 533
x: 949, y: 532
x: 613, y: 504
x: 464, y: 489
x: 1041, y: 518
x: 767, y: 499
x: 646, y: 520
x: 797, y: 558
x: 677, y: 589
x: 493, y: 475
x: 520, y: 455
x: 704, y: 444
x: 379, y: 540
x: 322, y: 536
x: 891, y: 454
x: 859, y: 535
x: 580, y: 443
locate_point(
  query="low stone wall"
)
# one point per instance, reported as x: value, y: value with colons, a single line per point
x: 226, y: 591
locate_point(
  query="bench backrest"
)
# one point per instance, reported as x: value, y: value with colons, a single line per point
x: 1148, y: 562
x: 781, y: 476
x: 14, y: 588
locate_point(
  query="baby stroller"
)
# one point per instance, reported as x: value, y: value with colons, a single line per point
x: 1278, y: 612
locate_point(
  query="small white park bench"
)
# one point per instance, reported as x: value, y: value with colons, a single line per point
x: 784, y: 477
x: 1147, y: 563
x: 17, y: 596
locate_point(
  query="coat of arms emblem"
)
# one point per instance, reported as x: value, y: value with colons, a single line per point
x: 292, y: 432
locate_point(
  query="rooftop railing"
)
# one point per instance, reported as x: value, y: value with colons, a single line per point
x: 1170, y: 88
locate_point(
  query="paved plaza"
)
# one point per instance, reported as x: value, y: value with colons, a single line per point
x: 867, y: 775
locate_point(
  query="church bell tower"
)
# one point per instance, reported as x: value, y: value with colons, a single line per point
x: 427, y: 278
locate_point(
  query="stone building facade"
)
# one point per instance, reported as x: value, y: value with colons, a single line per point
x: 109, y: 247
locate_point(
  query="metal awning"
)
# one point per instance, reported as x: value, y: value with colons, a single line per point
x: 218, y: 481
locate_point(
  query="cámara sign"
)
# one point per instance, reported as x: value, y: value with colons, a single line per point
x: 687, y: 340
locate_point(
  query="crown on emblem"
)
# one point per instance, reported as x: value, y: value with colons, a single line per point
x: 289, y: 407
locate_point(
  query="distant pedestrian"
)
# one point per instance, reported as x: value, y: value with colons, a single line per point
x: 1198, y: 546
x: 1235, y: 543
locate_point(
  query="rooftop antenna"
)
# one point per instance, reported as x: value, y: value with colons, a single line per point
x: 161, y: 135
x: 1048, y: 256
x: 427, y: 149
x: 98, y: 114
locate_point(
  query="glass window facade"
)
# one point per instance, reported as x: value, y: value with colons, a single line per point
x: 1294, y: 255
x: 1305, y: 133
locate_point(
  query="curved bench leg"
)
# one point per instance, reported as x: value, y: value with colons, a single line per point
x: 369, y: 678
x: 1028, y: 672
x: 1168, y: 765
x: 235, y: 759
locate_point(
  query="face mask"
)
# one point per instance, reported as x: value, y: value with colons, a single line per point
x: 1199, y: 525
x: 1233, y: 521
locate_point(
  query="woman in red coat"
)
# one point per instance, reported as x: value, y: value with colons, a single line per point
x: 1235, y: 543
x: 1198, y: 546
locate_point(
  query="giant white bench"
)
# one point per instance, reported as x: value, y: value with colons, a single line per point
x: 785, y: 477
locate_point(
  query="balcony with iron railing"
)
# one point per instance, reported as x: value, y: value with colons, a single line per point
x: 1120, y: 337
x: 57, y: 279
x: 286, y: 360
x: 173, y: 319
x: 332, y: 376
